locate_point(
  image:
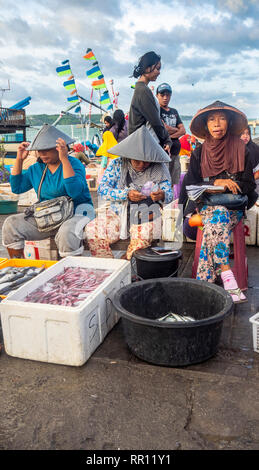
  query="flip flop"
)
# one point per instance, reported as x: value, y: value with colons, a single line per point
x: 236, y: 295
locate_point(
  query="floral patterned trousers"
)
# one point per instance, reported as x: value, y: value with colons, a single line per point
x: 105, y: 230
x: 218, y: 223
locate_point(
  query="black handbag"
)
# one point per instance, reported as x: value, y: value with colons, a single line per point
x: 232, y: 202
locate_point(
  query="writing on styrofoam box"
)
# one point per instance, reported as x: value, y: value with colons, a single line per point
x: 40, y: 249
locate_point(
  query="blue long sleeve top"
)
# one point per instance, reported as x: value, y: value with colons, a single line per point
x: 54, y: 184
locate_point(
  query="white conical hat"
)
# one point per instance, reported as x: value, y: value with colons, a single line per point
x: 46, y: 138
x: 140, y: 145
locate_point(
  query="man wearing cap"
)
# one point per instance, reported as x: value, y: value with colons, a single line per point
x: 174, y: 126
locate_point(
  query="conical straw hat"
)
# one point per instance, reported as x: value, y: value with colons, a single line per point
x: 109, y: 141
x: 46, y: 138
x: 237, y: 119
x: 140, y: 145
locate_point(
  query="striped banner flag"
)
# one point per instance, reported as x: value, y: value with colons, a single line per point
x: 89, y: 55
x: 63, y: 70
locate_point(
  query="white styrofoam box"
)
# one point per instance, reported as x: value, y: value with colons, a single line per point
x: 59, y: 334
x: 28, y: 198
x: 256, y: 207
x: 40, y: 249
x: 172, y: 223
x: 184, y: 162
x: 255, y: 322
x: 250, y: 227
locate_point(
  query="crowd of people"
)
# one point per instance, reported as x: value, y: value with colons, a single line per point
x: 141, y: 165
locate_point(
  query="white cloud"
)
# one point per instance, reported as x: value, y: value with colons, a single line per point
x: 207, y: 50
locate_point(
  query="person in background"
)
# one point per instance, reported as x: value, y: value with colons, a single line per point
x: 107, y: 122
x: 65, y: 176
x: 174, y: 126
x: 222, y: 160
x: 119, y: 125
x: 254, y: 154
x: 186, y: 146
x: 144, y: 108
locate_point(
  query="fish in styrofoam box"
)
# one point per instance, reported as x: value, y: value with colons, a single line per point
x: 63, y: 334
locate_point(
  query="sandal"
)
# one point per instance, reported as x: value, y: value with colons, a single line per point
x: 237, y: 295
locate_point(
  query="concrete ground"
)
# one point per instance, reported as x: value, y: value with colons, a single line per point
x: 116, y: 401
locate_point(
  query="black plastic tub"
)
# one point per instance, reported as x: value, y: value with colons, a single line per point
x: 151, y: 265
x: 173, y: 344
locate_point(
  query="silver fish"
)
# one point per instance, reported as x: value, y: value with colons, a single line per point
x: 5, y: 271
x: 174, y: 317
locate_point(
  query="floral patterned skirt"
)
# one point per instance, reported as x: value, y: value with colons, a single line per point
x: 218, y: 223
x: 105, y: 230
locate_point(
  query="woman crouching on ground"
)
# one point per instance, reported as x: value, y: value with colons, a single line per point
x: 65, y: 176
x: 222, y: 160
x: 136, y: 186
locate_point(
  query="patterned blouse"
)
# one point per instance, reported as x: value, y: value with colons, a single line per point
x: 109, y: 186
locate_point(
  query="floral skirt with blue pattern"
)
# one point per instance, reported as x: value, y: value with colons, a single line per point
x: 218, y: 224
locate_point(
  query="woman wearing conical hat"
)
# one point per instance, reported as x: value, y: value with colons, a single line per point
x: 222, y: 160
x: 65, y: 176
x: 135, y: 185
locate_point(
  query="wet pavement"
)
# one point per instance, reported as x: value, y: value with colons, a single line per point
x: 116, y: 401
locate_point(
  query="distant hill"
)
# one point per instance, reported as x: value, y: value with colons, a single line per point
x: 69, y: 119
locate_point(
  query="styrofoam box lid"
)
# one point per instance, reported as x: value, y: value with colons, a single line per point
x: 116, y: 266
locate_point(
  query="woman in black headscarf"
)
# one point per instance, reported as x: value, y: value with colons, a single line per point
x: 144, y: 110
x: 222, y: 160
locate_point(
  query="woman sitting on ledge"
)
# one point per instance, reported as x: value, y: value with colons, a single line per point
x: 65, y: 176
x: 222, y: 160
x: 137, y: 183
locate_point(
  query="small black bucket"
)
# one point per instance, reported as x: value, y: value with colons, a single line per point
x: 178, y: 343
x: 151, y: 265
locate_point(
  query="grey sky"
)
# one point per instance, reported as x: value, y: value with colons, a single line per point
x: 209, y: 49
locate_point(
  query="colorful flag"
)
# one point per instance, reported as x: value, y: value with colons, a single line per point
x: 94, y: 72
x: 98, y: 84
x: 105, y: 98
x: 64, y: 70
x: 89, y: 55
x: 70, y: 85
x: 72, y: 99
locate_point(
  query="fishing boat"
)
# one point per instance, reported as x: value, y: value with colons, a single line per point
x: 12, y: 132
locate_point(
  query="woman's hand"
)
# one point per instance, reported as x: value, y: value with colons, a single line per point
x: 167, y: 148
x: 61, y: 147
x: 136, y: 196
x: 158, y: 195
x: 228, y: 184
x: 22, y: 151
